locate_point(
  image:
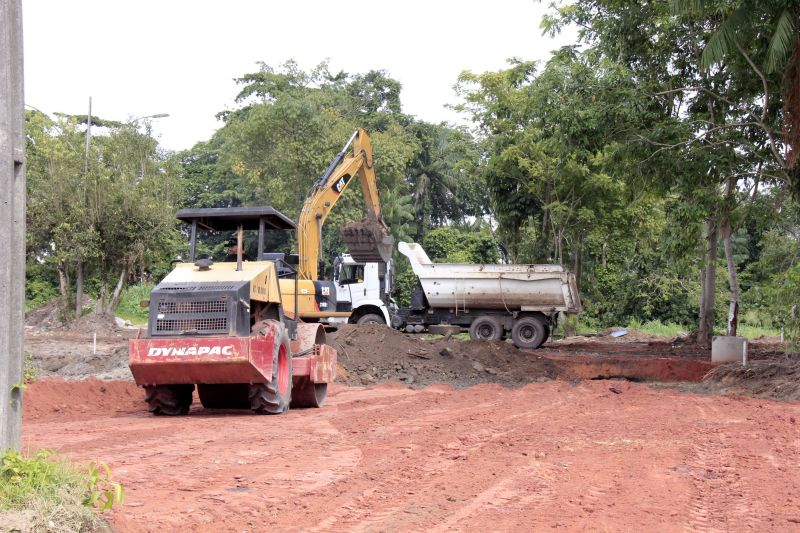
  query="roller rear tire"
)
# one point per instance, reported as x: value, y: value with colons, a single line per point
x: 168, y: 400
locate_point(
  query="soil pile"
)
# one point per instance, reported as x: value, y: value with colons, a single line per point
x: 777, y: 379
x: 58, y: 399
x: 92, y: 345
x: 371, y: 354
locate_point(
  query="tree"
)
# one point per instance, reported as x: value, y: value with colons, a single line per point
x: 113, y: 219
x: 725, y: 117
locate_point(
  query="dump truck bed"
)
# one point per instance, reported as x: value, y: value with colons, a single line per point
x: 547, y: 288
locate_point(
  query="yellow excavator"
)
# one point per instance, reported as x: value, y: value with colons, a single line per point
x: 368, y: 240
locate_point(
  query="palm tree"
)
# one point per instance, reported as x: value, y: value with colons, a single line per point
x: 433, y: 177
x: 398, y: 212
x: 773, y: 23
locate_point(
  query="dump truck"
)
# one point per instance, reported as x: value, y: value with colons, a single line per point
x: 489, y: 300
x: 229, y: 329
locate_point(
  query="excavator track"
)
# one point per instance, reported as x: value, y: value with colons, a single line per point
x: 368, y: 241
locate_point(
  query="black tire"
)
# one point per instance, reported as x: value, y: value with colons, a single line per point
x: 371, y: 318
x: 486, y: 328
x: 224, y: 396
x: 168, y: 400
x: 273, y: 398
x: 529, y: 332
x: 306, y: 393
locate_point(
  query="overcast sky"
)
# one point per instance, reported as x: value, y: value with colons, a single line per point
x: 180, y: 57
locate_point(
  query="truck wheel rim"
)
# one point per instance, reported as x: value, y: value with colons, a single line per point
x: 527, y: 332
x: 283, y: 370
x: 485, y: 331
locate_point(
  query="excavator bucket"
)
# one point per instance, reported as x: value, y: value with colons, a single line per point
x: 368, y: 241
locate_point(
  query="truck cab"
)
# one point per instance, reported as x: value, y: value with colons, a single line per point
x: 365, y: 289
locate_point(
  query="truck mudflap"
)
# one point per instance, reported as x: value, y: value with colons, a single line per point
x: 218, y: 360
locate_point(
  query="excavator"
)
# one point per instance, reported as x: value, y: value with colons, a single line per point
x: 368, y: 240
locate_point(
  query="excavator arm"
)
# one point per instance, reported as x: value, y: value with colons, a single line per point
x: 368, y: 240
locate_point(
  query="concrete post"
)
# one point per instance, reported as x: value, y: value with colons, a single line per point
x: 12, y: 223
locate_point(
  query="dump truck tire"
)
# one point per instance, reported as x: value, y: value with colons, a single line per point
x: 486, y: 328
x: 306, y: 393
x: 273, y: 398
x: 529, y: 332
x: 168, y: 400
x: 371, y: 318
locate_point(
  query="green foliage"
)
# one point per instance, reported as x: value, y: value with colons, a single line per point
x: 102, y: 493
x: 53, y: 491
x: 109, y: 210
x: 22, y: 477
x: 40, y: 286
x: 404, y: 283
x: 44, y: 476
x: 129, y: 308
x: 29, y: 369
x: 451, y: 245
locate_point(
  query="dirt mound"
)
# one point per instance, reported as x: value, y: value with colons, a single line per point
x: 49, y: 318
x: 44, y: 317
x: 58, y: 399
x: 105, y: 364
x: 93, y: 323
x: 369, y: 354
x: 777, y: 379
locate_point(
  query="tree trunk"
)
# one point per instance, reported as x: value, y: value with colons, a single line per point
x: 576, y: 261
x: 64, y: 289
x: 79, y: 290
x: 112, y: 305
x: 100, y: 308
x: 705, y: 328
x: 603, y: 257
x: 733, y: 313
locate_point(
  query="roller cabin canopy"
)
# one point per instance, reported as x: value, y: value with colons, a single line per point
x: 261, y: 219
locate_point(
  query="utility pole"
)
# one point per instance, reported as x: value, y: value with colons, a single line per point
x: 12, y: 223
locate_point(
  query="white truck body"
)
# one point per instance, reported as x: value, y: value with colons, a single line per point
x: 545, y: 288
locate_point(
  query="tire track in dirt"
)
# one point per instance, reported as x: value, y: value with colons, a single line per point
x: 721, y: 501
x: 441, y: 458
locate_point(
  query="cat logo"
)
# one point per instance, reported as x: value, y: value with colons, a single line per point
x: 339, y: 186
x: 326, y: 291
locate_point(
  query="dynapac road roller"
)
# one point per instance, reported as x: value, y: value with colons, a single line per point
x: 225, y: 328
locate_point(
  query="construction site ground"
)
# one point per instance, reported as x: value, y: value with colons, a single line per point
x: 587, y: 433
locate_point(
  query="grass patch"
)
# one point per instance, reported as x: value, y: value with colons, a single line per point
x: 129, y: 308
x: 656, y: 327
x: 29, y: 369
x: 754, y: 332
x: 46, y: 493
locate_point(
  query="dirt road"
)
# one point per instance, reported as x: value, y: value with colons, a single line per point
x: 547, y: 456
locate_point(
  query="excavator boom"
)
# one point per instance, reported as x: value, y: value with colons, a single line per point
x: 368, y: 240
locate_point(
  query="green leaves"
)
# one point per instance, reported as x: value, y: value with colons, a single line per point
x: 783, y: 40
x: 102, y: 493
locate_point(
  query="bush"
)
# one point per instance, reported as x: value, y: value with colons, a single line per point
x: 53, y: 495
x: 129, y: 308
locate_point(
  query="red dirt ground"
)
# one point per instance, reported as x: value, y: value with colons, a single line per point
x: 546, y: 456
